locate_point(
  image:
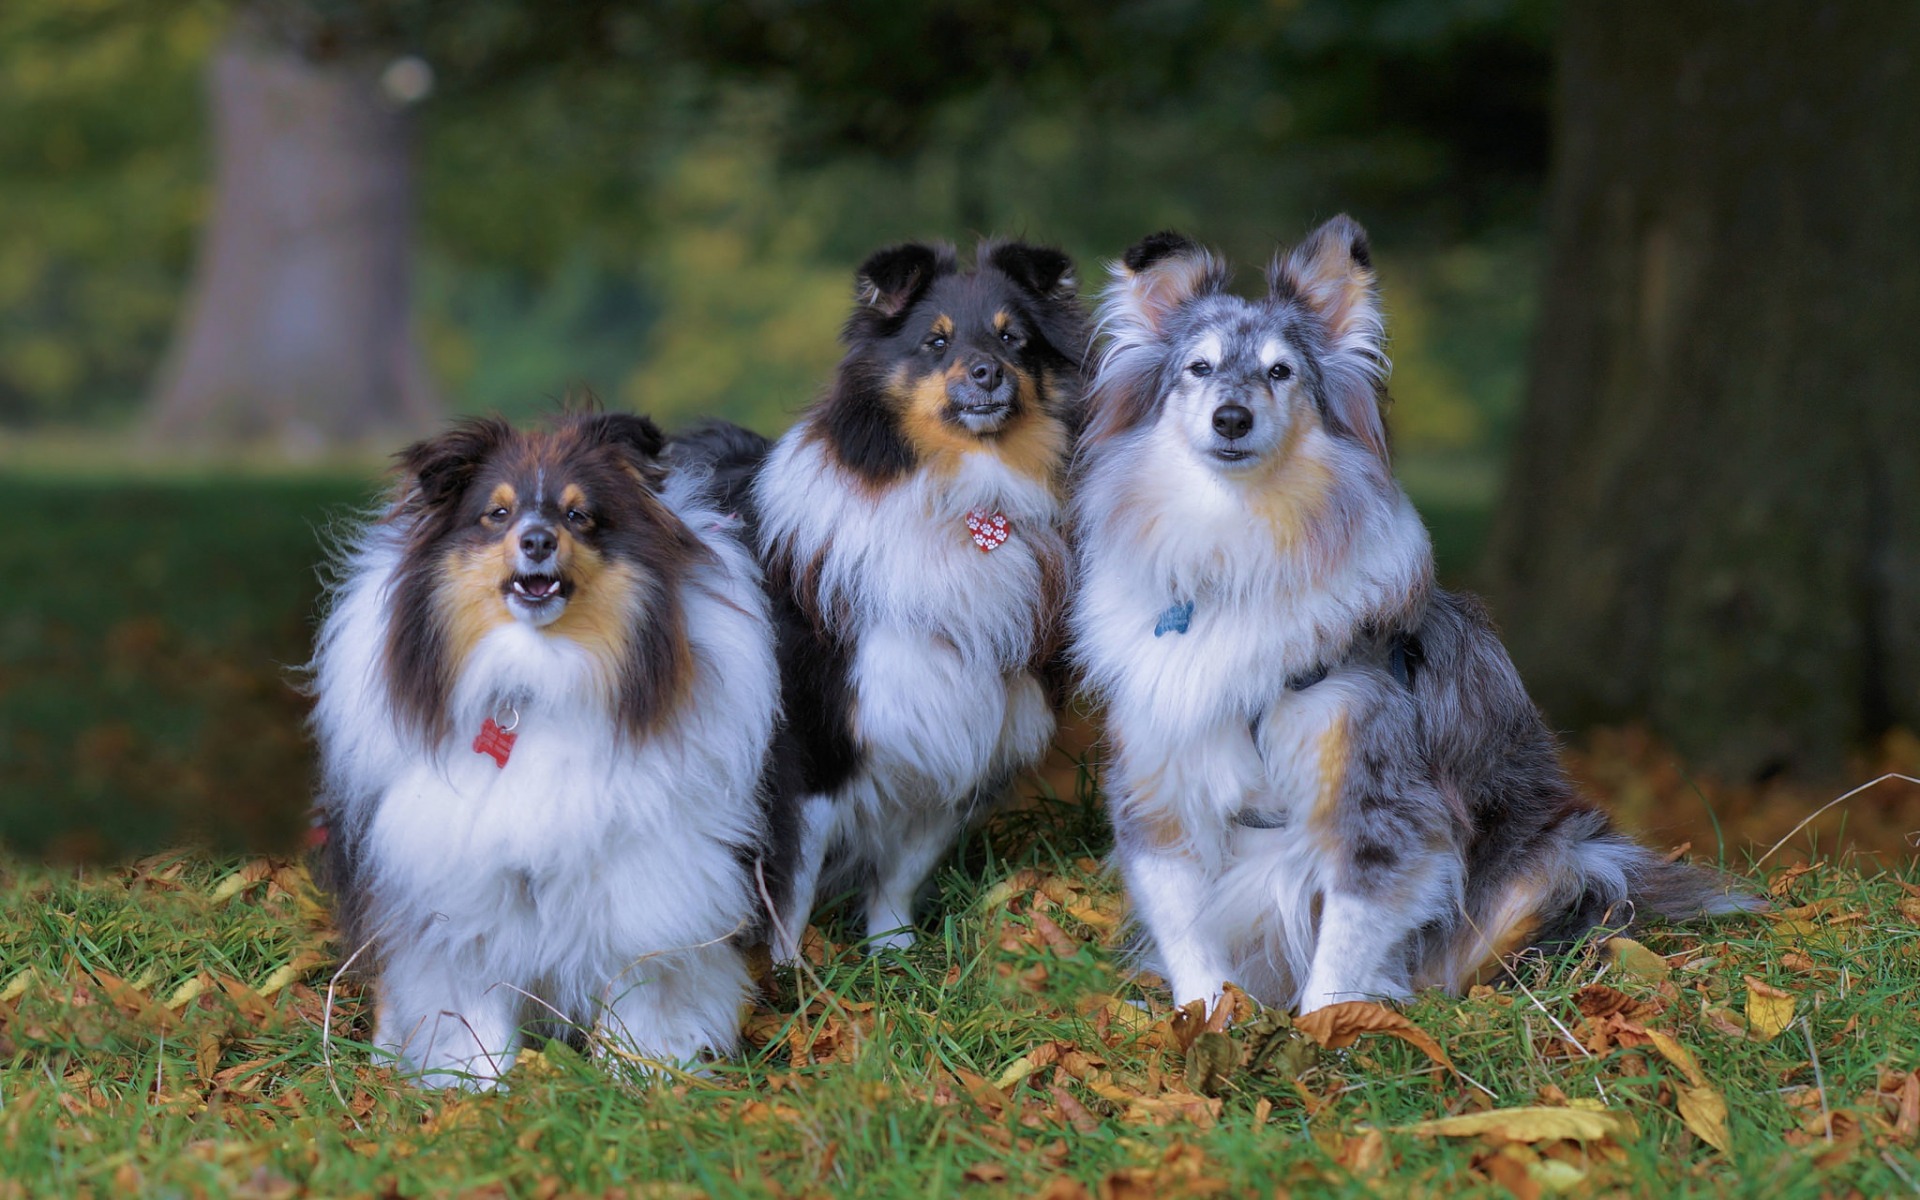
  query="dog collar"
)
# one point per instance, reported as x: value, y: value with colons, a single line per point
x: 989, y: 530
x: 496, y: 740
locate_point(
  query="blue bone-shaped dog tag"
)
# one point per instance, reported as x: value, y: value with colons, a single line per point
x: 1174, y: 620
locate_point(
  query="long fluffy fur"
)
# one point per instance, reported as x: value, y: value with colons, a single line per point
x: 913, y: 662
x: 604, y: 873
x: 1332, y: 783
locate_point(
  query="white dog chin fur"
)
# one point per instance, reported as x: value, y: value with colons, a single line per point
x: 594, y: 873
x: 945, y: 705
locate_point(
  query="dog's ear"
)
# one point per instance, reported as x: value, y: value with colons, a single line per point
x: 438, y: 469
x: 1157, y: 275
x: 1041, y: 271
x: 1331, y: 273
x: 637, y: 439
x: 892, y: 279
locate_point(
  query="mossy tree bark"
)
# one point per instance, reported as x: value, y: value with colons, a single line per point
x: 1713, y: 515
x: 299, y: 332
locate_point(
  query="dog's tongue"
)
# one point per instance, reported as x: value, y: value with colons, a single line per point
x: 538, y: 587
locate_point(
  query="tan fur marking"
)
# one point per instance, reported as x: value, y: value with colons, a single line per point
x: 470, y: 599
x: 1000, y: 322
x: 503, y: 497
x: 603, y: 608
x: 1481, y: 950
x: 942, y: 327
x: 1294, y: 492
x: 572, y: 497
x: 1033, y: 443
x: 1332, y: 752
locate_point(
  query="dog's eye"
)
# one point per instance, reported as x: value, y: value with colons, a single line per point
x: 578, y: 519
x: 936, y: 343
x: 494, y: 516
x: 1280, y: 371
x: 1201, y: 368
x: 1009, y: 336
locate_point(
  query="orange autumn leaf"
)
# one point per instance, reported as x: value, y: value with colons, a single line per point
x: 1338, y: 1026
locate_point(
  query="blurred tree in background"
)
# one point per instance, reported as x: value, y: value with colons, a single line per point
x: 1713, y: 518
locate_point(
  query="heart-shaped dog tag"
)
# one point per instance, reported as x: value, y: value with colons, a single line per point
x: 989, y: 529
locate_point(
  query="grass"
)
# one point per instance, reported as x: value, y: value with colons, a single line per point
x: 161, y: 1028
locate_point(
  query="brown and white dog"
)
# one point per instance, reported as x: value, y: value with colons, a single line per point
x: 545, y: 692
x: 910, y: 525
x: 1327, y: 781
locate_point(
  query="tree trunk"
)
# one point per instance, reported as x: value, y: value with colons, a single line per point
x: 1712, y: 519
x: 299, y: 333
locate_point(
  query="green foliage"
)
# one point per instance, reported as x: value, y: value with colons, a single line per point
x: 666, y: 201
x: 101, y: 163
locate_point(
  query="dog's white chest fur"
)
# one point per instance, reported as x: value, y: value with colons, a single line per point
x: 942, y: 631
x: 598, y: 870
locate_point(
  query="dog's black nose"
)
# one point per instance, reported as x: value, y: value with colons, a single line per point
x: 537, y: 544
x: 985, y: 375
x: 1232, y: 420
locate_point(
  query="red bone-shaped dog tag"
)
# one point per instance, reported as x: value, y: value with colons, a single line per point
x: 495, y: 742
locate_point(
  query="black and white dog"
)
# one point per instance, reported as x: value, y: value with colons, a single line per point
x: 545, y: 691
x: 1327, y: 781
x: 910, y: 525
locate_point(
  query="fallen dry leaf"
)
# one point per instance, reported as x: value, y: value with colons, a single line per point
x: 1338, y: 1025
x: 1043, y: 1055
x: 1075, y: 1112
x: 1678, y: 1055
x: 1636, y: 960
x: 1598, y: 1000
x: 1769, y: 1010
x: 1532, y: 1124
x: 1704, y: 1110
x: 1365, y: 1154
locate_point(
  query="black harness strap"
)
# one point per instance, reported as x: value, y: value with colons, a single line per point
x: 1403, y: 658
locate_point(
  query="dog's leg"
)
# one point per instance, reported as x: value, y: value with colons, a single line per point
x: 919, y: 844
x: 447, y: 1026
x: 1358, y: 951
x: 672, y: 1009
x: 818, y: 824
x: 1390, y: 835
x: 1168, y: 887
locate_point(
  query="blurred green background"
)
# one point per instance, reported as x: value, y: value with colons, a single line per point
x: 661, y: 203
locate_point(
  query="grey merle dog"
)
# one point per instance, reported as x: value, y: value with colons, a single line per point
x: 1327, y: 781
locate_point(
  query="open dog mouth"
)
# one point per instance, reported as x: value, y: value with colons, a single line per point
x: 1231, y: 455
x: 536, y: 589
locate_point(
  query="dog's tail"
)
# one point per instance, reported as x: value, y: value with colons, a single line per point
x: 1627, y: 875
x: 729, y: 454
x: 1589, y: 877
x: 1617, y: 884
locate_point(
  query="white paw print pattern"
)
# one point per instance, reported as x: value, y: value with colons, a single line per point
x: 989, y: 529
